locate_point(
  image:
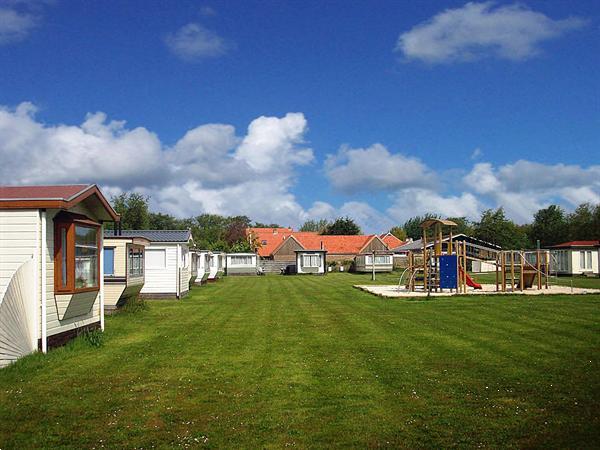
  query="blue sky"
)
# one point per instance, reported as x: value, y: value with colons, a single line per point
x: 379, y: 110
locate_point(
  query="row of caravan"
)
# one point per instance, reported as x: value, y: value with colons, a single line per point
x: 62, y: 265
x: 162, y: 264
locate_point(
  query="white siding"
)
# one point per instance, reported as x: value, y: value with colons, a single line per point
x: 162, y: 281
x: 18, y: 237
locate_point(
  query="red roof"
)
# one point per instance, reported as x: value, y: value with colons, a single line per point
x: 334, y: 244
x: 41, y: 192
x: 391, y: 241
x: 61, y: 197
x: 577, y: 244
x: 269, y: 238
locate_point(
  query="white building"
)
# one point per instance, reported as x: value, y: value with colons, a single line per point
x: 168, y: 263
x: 575, y: 258
x: 203, y: 266
x: 51, y: 265
x: 311, y: 261
x: 216, y: 265
x: 240, y: 264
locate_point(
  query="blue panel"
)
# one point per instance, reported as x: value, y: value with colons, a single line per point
x: 448, y: 268
x: 109, y: 261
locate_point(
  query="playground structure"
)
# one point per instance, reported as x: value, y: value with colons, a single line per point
x: 442, y: 264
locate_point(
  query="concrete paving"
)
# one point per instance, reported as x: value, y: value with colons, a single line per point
x: 393, y: 291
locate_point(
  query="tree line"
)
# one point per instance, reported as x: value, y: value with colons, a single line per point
x: 550, y: 226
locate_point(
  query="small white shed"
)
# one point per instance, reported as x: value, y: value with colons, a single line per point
x: 575, y: 258
x: 216, y: 266
x: 311, y: 262
x: 240, y: 264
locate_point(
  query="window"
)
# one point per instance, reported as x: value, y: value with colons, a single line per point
x: 109, y: 261
x: 263, y: 242
x: 241, y: 260
x: 582, y: 259
x: 136, y: 262
x: 382, y: 259
x: 156, y: 259
x: 311, y: 260
x: 589, y: 260
x: 76, y: 254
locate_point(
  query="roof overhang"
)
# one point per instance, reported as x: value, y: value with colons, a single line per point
x: 90, y: 194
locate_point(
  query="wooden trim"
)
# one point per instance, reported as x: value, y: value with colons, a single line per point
x: 62, y: 203
x: 68, y: 222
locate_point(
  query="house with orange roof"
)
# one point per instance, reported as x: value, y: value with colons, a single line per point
x: 391, y: 241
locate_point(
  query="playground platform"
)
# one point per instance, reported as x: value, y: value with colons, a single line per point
x: 393, y: 291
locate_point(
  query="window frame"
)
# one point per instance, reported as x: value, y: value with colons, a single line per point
x: 68, y: 222
x: 111, y: 248
x: 309, y: 257
x: 133, y: 249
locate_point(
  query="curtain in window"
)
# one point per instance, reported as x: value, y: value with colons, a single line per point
x: 86, y: 257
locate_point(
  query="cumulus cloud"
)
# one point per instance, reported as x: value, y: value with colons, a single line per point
x: 523, y: 187
x: 194, y: 42
x: 375, y: 168
x: 419, y: 201
x: 17, y: 20
x: 479, y: 30
x: 210, y: 169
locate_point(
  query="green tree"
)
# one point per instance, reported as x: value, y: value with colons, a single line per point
x: 265, y: 225
x: 583, y: 223
x: 398, y: 232
x: 412, y: 226
x: 343, y: 226
x: 160, y: 221
x: 133, y: 209
x: 495, y: 228
x: 549, y: 226
x: 316, y: 226
x: 463, y: 225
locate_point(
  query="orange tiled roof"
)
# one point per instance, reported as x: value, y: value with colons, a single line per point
x: 269, y: 238
x: 335, y: 244
x: 391, y: 241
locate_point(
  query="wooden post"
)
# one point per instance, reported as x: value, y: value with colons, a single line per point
x: 512, y: 271
x: 425, y: 283
x: 547, y: 266
x: 522, y: 270
x: 503, y: 270
x: 464, y: 251
x: 497, y: 268
x: 539, y: 269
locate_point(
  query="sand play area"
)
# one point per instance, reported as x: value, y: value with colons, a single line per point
x: 394, y: 291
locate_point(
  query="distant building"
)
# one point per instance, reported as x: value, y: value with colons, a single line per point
x: 576, y: 257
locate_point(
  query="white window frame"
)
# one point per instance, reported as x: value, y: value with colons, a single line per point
x: 307, y: 260
x: 241, y: 260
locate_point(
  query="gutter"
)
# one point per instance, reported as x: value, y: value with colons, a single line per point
x: 44, y: 333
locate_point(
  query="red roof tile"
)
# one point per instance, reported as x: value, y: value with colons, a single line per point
x: 41, y: 192
x: 577, y: 244
x: 391, y: 241
x: 269, y: 238
x: 335, y: 244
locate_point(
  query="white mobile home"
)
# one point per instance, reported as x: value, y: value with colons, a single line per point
x: 51, y: 265
x: 383, y: 262
x: 311, y: 261
x: 216, y: 266
x: 241, y: 263
x: 123, y: 269
x: 203, y: 266
x: 575, y: 258
x: 167, y: 262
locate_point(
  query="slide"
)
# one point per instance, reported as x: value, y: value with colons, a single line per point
x: 470, y: 281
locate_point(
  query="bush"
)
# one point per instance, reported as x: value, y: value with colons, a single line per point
x: 94, y: 338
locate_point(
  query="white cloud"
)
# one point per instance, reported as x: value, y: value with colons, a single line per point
x: 524, y: 187
x: 479, y: 30
x: 418, y: 201
x: 194, y: 42
x: 16, y: 22
x: 209, y: 169
x: 375, y: 168
x: 477, y: 153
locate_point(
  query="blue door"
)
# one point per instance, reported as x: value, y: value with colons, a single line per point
x: 448, y: 268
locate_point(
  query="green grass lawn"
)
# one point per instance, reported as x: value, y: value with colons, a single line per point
x: 312, y: 362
